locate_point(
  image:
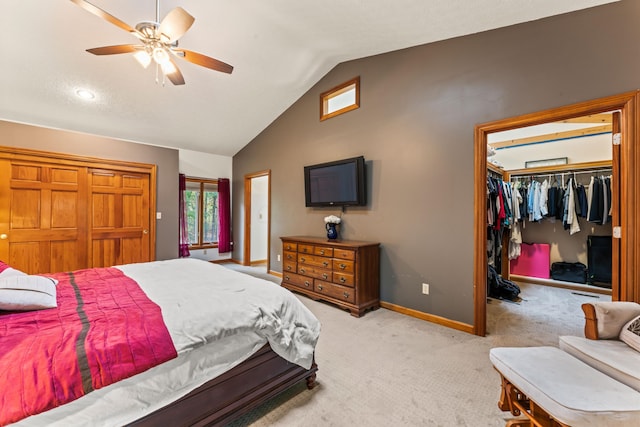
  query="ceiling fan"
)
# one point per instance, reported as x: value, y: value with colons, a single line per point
x: 158, y: 42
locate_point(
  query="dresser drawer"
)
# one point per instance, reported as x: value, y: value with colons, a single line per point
x: 342, y: 265
x: 290, y: 256
x: 289, y: 246
x: 342, y: 293
x: 344, y: 254
x: 323, y: 251
x: 317, y: 261
x: 312, y: 271
x: 305, y: 249
x: 298, y: 280
x: 343, y: 279
x: 289, y: 266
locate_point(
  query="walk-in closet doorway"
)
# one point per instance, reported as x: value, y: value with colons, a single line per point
x: 624, y: 112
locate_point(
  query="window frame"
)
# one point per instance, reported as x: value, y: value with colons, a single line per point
x: 325, y: 97
x: 202, y: 182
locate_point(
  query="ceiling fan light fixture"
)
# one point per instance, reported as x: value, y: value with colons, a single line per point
x: 168, y: 67
x: 143, y: 58
x: 160, y: 55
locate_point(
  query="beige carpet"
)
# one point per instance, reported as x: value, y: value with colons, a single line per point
x: 388, y: 369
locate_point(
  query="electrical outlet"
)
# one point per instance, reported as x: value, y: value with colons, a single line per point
x: 425, y: 288
x: 278, y: 257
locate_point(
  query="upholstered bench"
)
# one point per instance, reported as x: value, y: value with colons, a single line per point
x: 553, y: 388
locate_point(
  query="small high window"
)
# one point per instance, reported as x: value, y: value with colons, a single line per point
x: 340, y: 99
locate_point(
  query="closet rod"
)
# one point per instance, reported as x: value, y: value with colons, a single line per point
x: 593, y: 171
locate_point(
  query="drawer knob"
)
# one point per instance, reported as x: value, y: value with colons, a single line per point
x: 346, y: 294
x: 302, y: 270
x: 306, y: 283
x: 302, y: 259
x: 319, y: 287
x: 325, y: 276
x: 286, y: 277
x: 289, y: 257
x: 322, y: 252
x: 343, y: 266
x: 342, y: 279
x: 326, y: 264
x: 288, y: 267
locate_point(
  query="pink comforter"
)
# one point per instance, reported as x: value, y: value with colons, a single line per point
x: 105, y: 329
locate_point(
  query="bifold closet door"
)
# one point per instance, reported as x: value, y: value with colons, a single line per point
x: 43, y: 226
x: 120, y: 217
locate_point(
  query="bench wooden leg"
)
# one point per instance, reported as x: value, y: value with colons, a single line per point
x: 516, y: 402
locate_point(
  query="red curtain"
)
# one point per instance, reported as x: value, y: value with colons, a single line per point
x: 183, y: 246
x: 224, y: 216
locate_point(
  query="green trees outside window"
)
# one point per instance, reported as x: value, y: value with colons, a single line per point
x: 201, y: 200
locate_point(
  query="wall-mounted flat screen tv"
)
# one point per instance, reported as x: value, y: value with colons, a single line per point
x: 338, y: 183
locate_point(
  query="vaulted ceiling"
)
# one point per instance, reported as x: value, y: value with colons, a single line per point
x: 279, y: 49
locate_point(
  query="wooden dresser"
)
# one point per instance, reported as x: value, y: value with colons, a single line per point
x: 345, y: 273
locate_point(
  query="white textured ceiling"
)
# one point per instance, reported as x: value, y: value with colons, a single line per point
x: 279, y: 48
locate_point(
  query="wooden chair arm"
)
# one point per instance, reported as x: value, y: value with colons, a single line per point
x: 590, y: 321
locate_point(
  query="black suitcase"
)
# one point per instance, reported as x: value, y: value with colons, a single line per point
x: 599, y: 260
x: 575, y: 272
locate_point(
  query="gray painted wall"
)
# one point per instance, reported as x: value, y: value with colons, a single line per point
x: 37, y: 138
x: 415, y: 128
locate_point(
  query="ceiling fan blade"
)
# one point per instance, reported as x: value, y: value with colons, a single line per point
x: 175, y: 24
x: 104, y: 15
x: 176, y: 76
x: 113, y: 50
x: 203, y: 60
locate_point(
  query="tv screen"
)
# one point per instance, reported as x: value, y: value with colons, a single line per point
x: 338, y: 183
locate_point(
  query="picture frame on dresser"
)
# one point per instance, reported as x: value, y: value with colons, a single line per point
x: 345, y: 273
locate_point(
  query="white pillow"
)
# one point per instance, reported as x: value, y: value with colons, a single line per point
x: 6, y: 270
x: 630, y: 333
x: 10, y: 271
x: 23, y: 293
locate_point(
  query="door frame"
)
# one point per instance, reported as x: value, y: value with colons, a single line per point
x: 625, y: 279
x: 246, y: 260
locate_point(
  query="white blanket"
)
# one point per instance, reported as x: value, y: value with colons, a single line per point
x: 217, y: 318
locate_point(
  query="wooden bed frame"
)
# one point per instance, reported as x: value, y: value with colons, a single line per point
x: 234, y: 393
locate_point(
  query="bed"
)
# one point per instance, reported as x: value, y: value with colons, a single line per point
x: 237, y: 342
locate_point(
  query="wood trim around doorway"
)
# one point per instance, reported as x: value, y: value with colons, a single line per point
x: 627, y: 286
x: 246, y: 258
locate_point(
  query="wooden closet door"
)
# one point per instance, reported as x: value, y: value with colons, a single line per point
x: 42, y: 216
x: 119, y: 218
